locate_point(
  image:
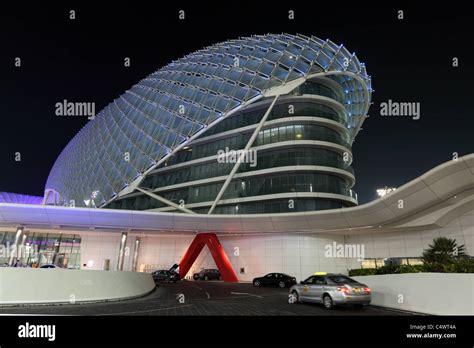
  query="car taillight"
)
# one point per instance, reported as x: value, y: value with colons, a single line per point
x: 367, y: 290
x: 343, y: 289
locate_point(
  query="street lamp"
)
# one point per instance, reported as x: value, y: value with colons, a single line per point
x: 385, y: 190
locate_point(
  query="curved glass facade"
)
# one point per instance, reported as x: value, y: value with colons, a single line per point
x: 277, y: 176
x: 272, y: 135
x: 246, y: 187
x: 280, y: 110
x: 294, y: 156
x: 200, y: 95
x: 275, y: 206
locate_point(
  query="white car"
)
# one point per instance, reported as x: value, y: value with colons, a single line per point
x: 331, y: 290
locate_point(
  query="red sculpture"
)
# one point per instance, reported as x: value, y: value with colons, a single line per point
x: 217, y: 252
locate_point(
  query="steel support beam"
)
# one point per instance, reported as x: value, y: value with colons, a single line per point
x: 166, y: 201
x: 242, y: 155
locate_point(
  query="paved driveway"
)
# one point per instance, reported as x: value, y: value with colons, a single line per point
x: 201, y: 298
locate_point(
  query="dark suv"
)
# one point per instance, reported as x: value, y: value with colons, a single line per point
x: 207, y: 274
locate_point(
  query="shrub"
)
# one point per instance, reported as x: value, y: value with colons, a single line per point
x: 387, y: 269
x: 361, y: 272
x: 461, y: 265
x: 443, y: 251
x: 443, y: 256
x: 410, y: 268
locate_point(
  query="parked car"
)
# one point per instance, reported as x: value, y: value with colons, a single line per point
x: 167, y: 275
x: 281, y: 280
x: 49, y: 265
x: 331, y: 290
x: 207, y: 274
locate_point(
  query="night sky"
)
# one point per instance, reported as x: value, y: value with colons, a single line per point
x: 410, y: 60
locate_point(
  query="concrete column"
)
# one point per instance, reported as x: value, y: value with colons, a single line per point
x: 123, y: 242
x: 56, y: 249
x: 14, y: 248
x: 135, y: 254
x: 22, y: 244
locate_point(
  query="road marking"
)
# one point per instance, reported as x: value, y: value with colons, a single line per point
x: 147, y: 311
x: 34, y: 315
x: 197, y: 287
x: 245, y: 293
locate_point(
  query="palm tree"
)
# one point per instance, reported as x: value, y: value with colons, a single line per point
x: 443, y: 251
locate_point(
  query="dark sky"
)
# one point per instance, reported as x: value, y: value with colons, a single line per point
x: 409, y: 60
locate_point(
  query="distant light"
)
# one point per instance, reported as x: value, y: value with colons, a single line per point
x: 386, y: 190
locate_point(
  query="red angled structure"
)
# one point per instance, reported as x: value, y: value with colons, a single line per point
x: 217, y: 252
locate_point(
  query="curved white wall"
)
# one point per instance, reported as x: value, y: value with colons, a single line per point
x: 28, y: 285
x: 431, y: 293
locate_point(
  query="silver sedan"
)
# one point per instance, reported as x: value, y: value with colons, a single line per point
x: 330, y: 290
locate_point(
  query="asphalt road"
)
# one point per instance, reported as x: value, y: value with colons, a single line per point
x: 190, y: 298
